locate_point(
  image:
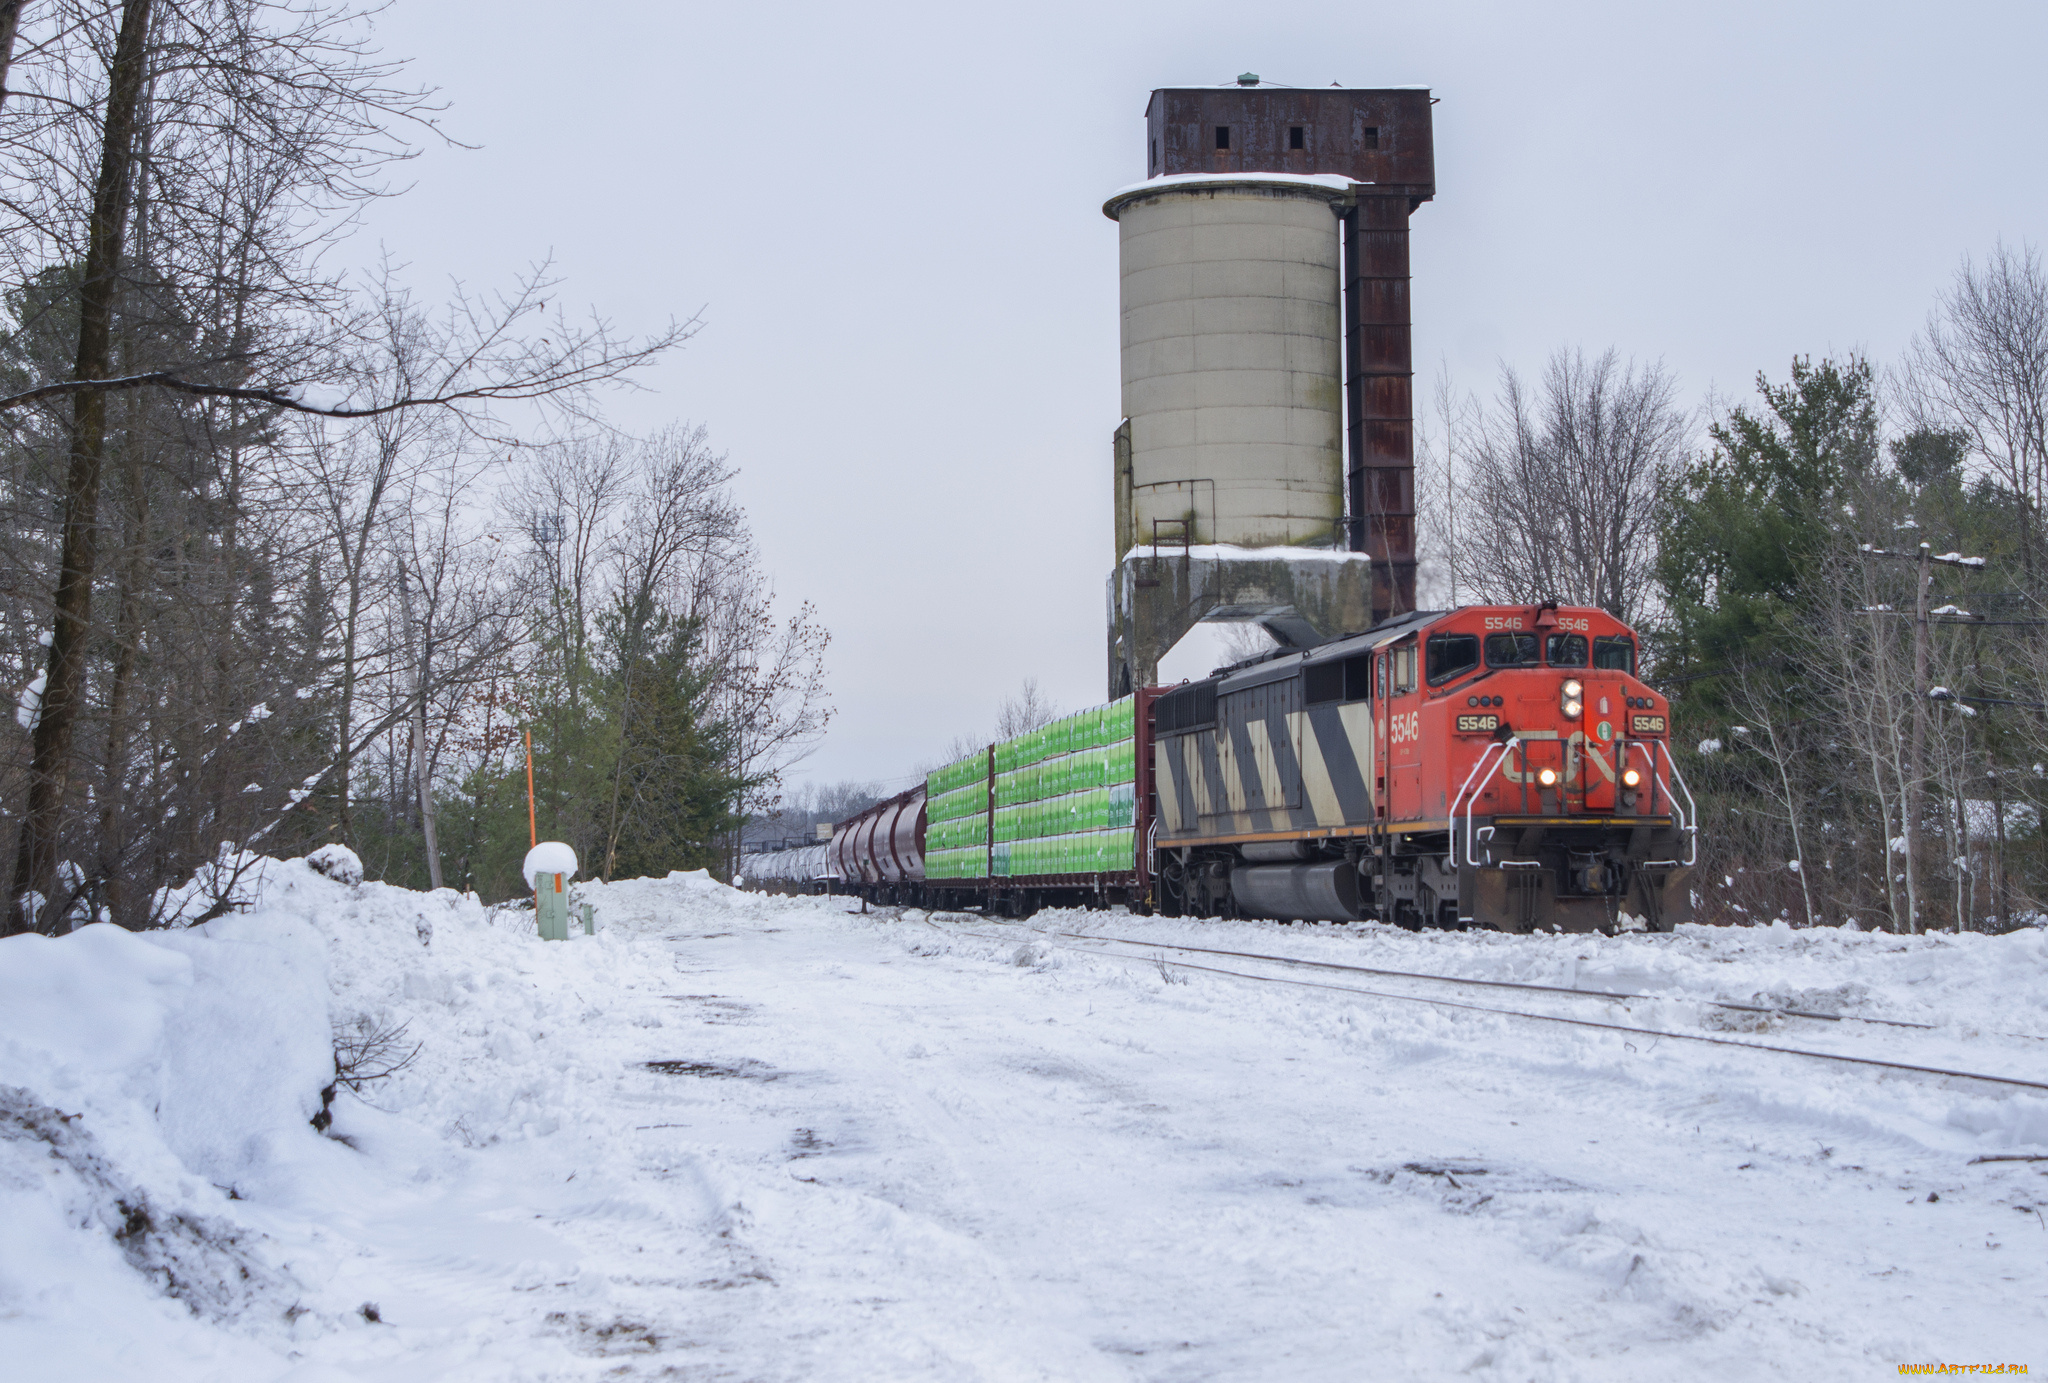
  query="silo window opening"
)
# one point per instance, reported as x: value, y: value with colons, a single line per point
x: 1297, y: 137
x: 1372, y: 136
x: 1223, y: 136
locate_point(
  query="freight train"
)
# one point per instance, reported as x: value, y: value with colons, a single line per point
x: 1491, y: 766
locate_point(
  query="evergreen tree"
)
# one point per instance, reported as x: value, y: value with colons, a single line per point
x: 1743, y: 531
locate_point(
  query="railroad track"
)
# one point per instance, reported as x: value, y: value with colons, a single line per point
x: 1154, y: 953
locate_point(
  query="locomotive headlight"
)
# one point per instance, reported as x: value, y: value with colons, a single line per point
x: 1631, y: 776
x: 1547, y: 777
x: 1572, y: 690
x: 1574, y: 698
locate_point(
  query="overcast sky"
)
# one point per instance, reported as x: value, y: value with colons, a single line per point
x: 891, y: 219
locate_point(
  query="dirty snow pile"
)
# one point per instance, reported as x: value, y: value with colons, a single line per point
x: 736, y: 1136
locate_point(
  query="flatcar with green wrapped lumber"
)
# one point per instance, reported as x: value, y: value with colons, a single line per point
x: 1052, y: 817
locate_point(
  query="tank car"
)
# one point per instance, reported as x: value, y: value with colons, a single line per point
x: 879, y: 853
x: 799, y: 867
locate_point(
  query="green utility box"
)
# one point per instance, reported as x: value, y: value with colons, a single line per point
x: 551, y: 897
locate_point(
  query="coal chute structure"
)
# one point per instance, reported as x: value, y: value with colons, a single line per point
x: 1264, y: 467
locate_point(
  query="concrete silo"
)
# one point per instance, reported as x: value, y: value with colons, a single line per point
x: 1233, y: 371
x: 1264, y: 287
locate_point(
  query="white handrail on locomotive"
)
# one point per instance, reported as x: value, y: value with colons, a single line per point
x: 1478, y: 774
x: 1687, y: 816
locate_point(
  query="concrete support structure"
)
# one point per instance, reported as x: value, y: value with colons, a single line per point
x: 1301, y: 596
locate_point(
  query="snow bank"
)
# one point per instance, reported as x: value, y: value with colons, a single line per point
x: 765, y: 1138
x: 143, y: 1079
x: 338, y: 863
x: 133, y: 1029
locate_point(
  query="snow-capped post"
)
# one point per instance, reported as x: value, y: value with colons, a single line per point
x: 549, y: 867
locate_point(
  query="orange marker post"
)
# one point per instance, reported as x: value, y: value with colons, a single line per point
x: 532, y: 830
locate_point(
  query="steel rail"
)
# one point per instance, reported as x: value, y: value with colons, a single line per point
x: 1562, y: 989
x: 1508, y: 984
x: 1517, y: 1013
x: 1616, y: 1027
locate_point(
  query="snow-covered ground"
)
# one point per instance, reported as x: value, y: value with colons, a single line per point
x: 741, y: 1137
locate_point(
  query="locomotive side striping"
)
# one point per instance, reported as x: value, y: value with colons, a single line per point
x: 1324, y: 807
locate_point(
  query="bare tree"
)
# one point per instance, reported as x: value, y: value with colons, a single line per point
x: 1029, y: 709
x: 180, y: 162
x: 1784, y: 754
x: 1559, y: 487
x: 1242, y: 639
x: 807, y: 805
x: 680, y: 524
x: 1444, y: 434
x: 1981, y: 364
x: 575, y: 488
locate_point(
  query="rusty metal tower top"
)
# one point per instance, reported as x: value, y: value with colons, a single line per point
x: 1379, y: 136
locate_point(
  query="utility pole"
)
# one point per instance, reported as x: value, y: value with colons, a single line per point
x: 1916, y: 758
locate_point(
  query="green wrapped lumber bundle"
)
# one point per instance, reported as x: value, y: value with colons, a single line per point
x: 971, y: 800
x: 1065, y: 802
x: 972, y: 769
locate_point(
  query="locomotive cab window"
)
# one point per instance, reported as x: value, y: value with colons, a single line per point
x: 1511, y: 650
x: 1616, y: 654
x: 1565, y: 650
x: 1451, y: 654
x: 1404, y: 669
